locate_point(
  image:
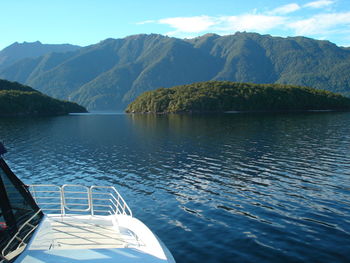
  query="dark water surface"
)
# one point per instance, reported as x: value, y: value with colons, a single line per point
x: 215, y: 188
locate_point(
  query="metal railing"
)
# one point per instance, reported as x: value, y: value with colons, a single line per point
x: 18, y: 242
x: 78, y: 199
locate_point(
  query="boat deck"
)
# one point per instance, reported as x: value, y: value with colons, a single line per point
x: 83, y: 232
x: 85, y: 224
x: 77, y: 238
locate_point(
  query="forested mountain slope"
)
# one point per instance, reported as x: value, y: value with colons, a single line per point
x: 20, y: 100
x: 110, y: 74
x: 221, y: 96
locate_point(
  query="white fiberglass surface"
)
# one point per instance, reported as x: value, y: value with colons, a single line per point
x: 109, y: 255
x: 82, y: 232
x: 91, y: 239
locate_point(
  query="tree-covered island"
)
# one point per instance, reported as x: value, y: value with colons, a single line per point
x: 20, y: 100
x: 222, y: 96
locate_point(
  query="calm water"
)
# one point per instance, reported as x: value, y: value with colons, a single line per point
x: 217, y: 188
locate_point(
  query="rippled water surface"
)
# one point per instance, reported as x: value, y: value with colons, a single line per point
x: 215, y: 188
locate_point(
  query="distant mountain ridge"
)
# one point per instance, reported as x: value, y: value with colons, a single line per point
x: 18, y: 51
x: 110, y: 74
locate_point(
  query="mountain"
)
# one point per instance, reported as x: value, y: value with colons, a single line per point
x: 19, y: 51
x: 19, y: 100
x: 110, y: 74
x: 221, y: 96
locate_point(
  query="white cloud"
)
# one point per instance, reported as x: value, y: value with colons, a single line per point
x: 146, y: 22
x: 319, y: 4
x: 285, y: 9
x: 189, y: 24
x: 321, y: 24
x: 246, y: 22
x: 250, y: 22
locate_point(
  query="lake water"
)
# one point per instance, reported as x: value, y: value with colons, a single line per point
x: 214, y: 188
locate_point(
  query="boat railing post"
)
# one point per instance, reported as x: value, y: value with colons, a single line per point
x: 63, y: 202
x: 91, y: 203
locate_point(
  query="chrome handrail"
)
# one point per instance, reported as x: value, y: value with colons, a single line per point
x: 17, y: 238
x: 57, y: 194
x: 99, y: 199
x: 121, y: 207
x: 64, y: 198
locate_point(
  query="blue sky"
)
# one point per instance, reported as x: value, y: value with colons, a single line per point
x: 85, y: 22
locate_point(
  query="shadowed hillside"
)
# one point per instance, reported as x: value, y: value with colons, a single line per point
x: 20, y: 100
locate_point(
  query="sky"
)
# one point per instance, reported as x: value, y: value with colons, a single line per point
x: 85, y: 22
